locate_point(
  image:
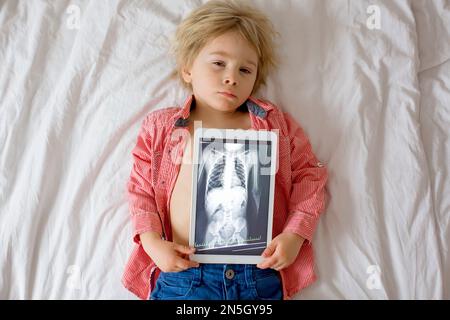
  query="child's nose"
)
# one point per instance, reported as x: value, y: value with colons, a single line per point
x: 230, y: 80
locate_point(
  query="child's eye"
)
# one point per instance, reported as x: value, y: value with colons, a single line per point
x: 221, y: 64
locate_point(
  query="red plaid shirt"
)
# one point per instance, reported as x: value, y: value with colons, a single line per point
x: 299, y: 188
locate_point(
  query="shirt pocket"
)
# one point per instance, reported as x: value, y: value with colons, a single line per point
x: 174, y: 285
x: 268, y: 285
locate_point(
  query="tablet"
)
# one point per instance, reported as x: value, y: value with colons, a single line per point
x: 232, y: 194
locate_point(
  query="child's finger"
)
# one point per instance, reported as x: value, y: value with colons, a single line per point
x: 277, y: 266
x: 184, y: 249
x: 186, y: 264
x: 193, y: 264
x: 269, y: 250
x: 267, y: 263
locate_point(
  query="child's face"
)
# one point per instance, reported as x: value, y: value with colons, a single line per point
x: 227, y: 63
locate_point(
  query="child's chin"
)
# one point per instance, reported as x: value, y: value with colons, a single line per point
x: 226, y: 106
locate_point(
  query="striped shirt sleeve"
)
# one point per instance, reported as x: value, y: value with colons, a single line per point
x: 309, y: 176
x: 141, y: 195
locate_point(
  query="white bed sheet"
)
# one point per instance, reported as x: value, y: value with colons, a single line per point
x: 433, y: 20
x: 374, y: 102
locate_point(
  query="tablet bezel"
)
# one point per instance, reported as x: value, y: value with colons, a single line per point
x: 250, y: 135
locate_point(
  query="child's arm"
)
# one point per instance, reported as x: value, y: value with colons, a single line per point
x: 147, y: 225
x: 307, y: 200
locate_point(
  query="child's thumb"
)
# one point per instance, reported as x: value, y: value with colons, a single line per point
x: 184, y: 249
x: 269, y: 250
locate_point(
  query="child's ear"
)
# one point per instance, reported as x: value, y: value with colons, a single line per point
x: 186, y: 75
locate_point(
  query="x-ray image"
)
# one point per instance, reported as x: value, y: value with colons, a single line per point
x: 226, y: 193
x: 232, y: 196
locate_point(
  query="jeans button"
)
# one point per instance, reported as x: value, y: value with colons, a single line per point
x: 229, y: 274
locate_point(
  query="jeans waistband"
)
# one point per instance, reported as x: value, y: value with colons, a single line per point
x: 242, y: 273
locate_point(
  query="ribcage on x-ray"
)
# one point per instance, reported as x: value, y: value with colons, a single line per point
x: 216, y: 177
x: 237, y: 173
x: 240, y: 172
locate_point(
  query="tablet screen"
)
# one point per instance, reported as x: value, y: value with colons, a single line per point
x: 231, y: 216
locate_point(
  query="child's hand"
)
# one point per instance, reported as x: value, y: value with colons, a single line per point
x: 282, y: 251
x: 170, y: 256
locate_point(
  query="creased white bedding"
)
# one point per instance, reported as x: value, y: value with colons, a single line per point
x: 77, y: 78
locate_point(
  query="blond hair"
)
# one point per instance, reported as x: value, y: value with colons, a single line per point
x: 217, y: 17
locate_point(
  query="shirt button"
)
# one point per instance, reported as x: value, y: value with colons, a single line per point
x: 229, y: 274
x: 320, y: 164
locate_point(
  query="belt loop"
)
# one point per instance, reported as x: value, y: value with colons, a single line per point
x: 249, y: 276
x: 197, y: 275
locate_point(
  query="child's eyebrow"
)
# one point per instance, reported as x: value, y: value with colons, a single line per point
x: 223, y: 53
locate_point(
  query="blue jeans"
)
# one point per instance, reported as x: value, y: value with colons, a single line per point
x: 219, y: 282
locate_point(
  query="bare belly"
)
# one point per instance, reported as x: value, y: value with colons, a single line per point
x: 180, y: 201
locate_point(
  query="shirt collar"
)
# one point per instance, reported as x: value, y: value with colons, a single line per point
x: 258, y: 107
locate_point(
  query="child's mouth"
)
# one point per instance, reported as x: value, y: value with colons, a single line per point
x: 229, y: 95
